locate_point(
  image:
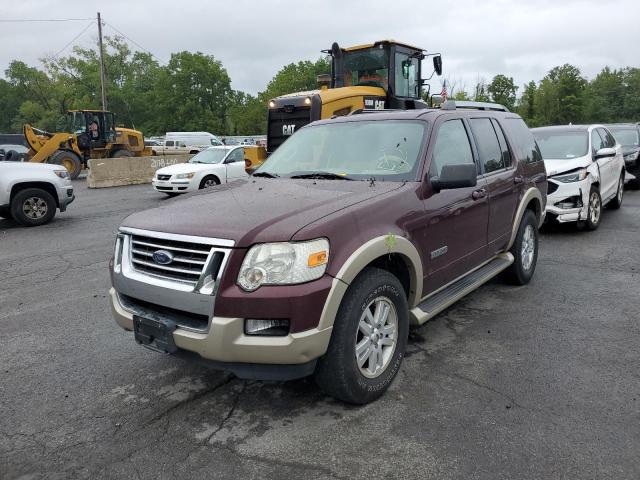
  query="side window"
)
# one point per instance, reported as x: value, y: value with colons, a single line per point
x: 168, y: 143
x: 406, y: 72
x: 526, y: 147
x: 452, y: 146
x: 607, y: 138
x: 596, y: 141
x: 487, y: 143
x: 504, y: 146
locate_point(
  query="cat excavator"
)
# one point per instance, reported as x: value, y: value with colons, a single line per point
x: 385, y: 74
x: 89, y: 134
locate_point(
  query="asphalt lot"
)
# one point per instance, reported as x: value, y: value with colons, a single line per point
x: 532, y: 382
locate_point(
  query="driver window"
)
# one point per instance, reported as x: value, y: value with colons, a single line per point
x: 451, y: 148
x: 236, y: 156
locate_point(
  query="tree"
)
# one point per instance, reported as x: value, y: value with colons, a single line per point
x: 526, y: 105
x: 605, y: 96
x: 560, y: 96
x: 480, y: 91
x: 296, y: 77
x: 503, y: 91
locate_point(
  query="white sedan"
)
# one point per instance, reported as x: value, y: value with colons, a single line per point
x: 209, y: 168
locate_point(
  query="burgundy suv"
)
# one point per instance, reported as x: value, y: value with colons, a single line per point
x: 354, y: 229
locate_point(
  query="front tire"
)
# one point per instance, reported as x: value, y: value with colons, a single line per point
x: 32, y: 207
x: 524, y: 251
x: 208, y: 182
x: 368, y: 341
x: 68, y: 160
x: 594, y: 212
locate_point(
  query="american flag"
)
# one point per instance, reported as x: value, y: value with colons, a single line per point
x: 443, y: 92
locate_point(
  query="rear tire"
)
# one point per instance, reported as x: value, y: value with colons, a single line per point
x: 368, y: 340
x: 524, y: 251
x: 32, y: 207
x: 68, y: 160
x: 208, y: 182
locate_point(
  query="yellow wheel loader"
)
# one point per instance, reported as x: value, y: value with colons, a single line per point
x: 380, y: 75
x: 90, y: 134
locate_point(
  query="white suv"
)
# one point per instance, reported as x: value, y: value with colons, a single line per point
x: 30, y: 193
x: 585, y: 170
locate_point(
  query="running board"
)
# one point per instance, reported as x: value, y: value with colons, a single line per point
x: 444, y: 298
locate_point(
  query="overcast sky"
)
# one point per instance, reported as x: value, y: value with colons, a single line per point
x: 522, y: 39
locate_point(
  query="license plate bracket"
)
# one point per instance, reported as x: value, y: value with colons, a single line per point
x: 155, y: 334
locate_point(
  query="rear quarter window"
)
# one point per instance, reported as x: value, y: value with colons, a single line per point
x: 522, y: 140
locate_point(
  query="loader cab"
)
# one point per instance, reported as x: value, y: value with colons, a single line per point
x: 93, y: 128
x: 394, y: 67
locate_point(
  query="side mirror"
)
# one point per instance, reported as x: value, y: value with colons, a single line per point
x: 455, y: 176
x: 437, y: 64
x: 605, y: 152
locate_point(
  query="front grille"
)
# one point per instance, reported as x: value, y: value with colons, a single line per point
x: 551, y: 187
x: 164, y: 177
x: 187, y: 266
x: 280, y: 122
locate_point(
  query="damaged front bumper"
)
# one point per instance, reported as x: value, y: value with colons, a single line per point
x: 568, y: 202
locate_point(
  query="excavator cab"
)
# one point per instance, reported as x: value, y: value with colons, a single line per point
x: 93, y: 128
x: 393, y: 66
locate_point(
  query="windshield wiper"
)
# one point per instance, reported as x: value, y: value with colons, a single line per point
x: 265, y: 174
x: 322, y: 176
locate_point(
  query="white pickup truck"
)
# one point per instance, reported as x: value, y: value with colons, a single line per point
x: 174, y: 147
x: 30, y: 193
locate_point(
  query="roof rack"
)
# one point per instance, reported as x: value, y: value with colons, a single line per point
x: 373, y: 110
x: 454, y: 104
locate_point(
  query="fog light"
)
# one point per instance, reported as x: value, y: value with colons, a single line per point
x: 571, y: 202
x: 272, y: 328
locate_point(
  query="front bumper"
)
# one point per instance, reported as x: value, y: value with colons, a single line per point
x: 226, y: 344
x: 65, y: 196
x: 578, y: 191
x: 172, y: 186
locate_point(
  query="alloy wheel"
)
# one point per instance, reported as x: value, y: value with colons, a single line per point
x: 377, y: 337
x: 35, y: 208
x: 594, y: 208
x: 528, y: 247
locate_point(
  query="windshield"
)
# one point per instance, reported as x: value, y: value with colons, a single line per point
x: 76, y: 122
x: 625, y: 136
x: 213, y: 155
x: 368, y: 67
x: 561, y: 145
x: 362, y: 150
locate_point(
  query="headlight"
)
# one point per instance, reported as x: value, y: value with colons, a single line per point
x: 307, y: 101
x: 186, y: 175
x: 283, y: 263
x: 272, y: 104
x: 630, y: 157
x: 572, y: 177
x: 61, y: 173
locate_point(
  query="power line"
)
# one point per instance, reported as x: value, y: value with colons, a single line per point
x: 23, y: 20
x: 133, y: 41
x: 74, y: 39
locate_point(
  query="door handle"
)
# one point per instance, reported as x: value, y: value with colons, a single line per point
x: 518, y: 179
x: 478, y: 194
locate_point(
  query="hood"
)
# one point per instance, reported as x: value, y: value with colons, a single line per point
x: 256, y: 210
x: 43, y: 167
x: 187, y: 167
x: 557, y: 166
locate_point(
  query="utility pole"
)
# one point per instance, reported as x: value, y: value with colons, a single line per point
x: 104, y: 95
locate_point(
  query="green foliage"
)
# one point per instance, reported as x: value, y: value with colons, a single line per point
x: 526, y: 105
x: 560, y: 98
x: 503, y: 91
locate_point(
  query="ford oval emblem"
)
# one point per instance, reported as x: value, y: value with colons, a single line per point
x: 162, y: 257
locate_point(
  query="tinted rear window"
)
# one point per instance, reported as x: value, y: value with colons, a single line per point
x: 524, y: 143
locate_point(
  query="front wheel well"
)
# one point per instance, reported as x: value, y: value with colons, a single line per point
x: 535, y: 206
x: 47, y: 187
x: 395, y: 264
